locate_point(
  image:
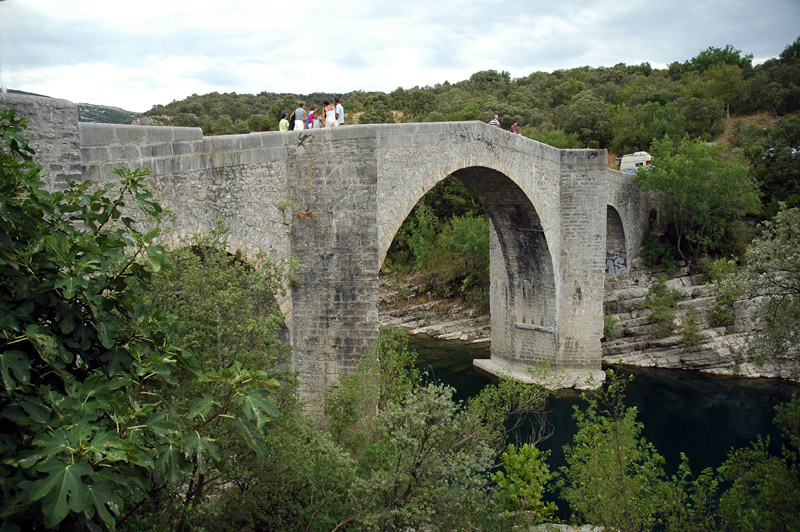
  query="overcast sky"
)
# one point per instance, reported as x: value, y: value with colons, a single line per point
x: 137, y: 54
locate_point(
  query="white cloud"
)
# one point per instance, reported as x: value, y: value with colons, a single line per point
x: 136, y: 55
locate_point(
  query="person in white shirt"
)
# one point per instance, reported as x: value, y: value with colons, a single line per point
x: 339, y: 112
x: 495, y: 121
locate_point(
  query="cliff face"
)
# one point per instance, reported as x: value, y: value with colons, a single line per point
x: 720, y: 350
x: 404, y: 303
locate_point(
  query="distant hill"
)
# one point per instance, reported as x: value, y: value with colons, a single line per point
x: 88, y: 112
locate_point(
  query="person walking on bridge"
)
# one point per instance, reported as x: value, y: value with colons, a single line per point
x: 300, y: 116
x: 495, y: 121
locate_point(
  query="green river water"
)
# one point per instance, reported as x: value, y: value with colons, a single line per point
x: 701, y: 415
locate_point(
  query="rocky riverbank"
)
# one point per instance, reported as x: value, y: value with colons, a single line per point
x: 719, y: 350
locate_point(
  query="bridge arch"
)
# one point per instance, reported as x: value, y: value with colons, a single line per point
x: 523, y: 303
x: 616, y: 252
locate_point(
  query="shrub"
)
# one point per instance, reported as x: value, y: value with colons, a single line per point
x: 662, y: 301
x: 611, y: 328
x: 692, y: 336
x: 658, y: 253
x: 726, y: 291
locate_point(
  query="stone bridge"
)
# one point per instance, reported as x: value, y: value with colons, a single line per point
x: 333, y: 200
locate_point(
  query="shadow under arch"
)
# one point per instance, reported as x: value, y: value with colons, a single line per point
x: 616, y: 251
x: 522, y: 276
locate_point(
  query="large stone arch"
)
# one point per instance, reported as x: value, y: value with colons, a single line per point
x: 523, y: 303
x: 407, y: 172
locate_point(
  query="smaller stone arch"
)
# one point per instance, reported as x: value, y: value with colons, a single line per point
x: 653, y: 222
x: 616, y: 251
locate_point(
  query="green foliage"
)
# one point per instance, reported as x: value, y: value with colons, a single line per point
x: 557, y: 138
x: 587, y: 116
x: 377, y: 111
x: 422, y: 472
x: 713, y: 57
x: 771, y: 268
x: 613, y: 478
x: 702, y: 189
x: 225, y: 308
x: 659, y: 253
x: 302, y: 483
x: 663, y: 301
x: 422, y: 459
x: 764, y: 492
x: 691, y: 333
x: 224, y: 311
x: 422, y: 235
x: 398, y: 375
x: 351, y: 406
x: 775, y: 165
x: 385, y: 374
x: 611, y: 326
x: 87, y: 431
x: 509, y: 408
x: 689, y: 501
x: 522, y: 482
x: 467, y: 237
x: 727, y: 291
x: 446, y: 238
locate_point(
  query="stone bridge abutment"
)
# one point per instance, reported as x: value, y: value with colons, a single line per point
x: 333, y: 200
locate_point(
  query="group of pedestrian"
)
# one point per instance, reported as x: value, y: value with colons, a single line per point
x: 496, y: 123
x: 331, y: 115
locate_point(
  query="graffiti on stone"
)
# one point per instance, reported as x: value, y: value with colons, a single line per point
x: 616, y: 265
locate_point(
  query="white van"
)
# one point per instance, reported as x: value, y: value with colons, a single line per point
x: 631, y: 162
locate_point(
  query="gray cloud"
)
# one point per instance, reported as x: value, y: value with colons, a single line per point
x: 89, y: 49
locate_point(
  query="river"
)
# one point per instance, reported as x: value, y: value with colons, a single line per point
x: 702, y: 415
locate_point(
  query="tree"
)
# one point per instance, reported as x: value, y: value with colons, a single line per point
x: 422, y: 236
x: 467, y: 237
x: 224, y: 312
x: 713, y: 56
x: 522, y: 482
x: 764, y: 492
x: 423, y: 459
x: 726, y: 84
x: 702, y: 190
x: 587, y: 116
x: 376, y: 111
x: 614, y: 478
x: 422, y: 472
x: 86, y: 431
x: 771, y: 269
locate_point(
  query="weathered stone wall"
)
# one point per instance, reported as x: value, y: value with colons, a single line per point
x: 333, y: 200
x: 53, y: 133
x: 240, y: 179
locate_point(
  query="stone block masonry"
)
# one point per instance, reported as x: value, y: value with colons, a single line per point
x: 333, y: 200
